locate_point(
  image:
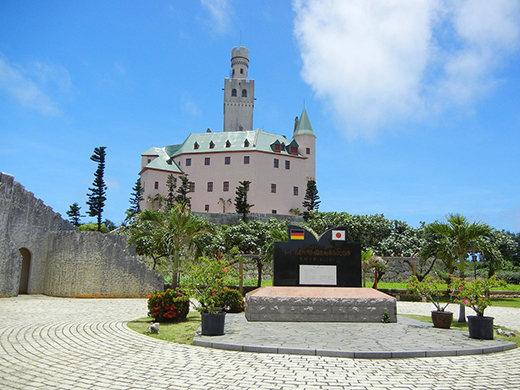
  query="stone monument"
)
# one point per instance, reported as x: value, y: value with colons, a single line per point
x: 318, y: 280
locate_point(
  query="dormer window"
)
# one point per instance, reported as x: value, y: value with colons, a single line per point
x: 293, y: 150
x: 211, y: 145
x: 234, y: 92
x: 228, y: 144
x: 244, y: 93
x: 246, y: 143
x: 196, y: 145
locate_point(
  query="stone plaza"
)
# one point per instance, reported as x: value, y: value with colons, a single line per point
x: 66, y: 343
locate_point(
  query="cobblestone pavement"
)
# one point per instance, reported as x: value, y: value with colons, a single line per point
x: 62, y: 343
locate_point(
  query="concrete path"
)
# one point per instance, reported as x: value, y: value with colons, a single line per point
x: 61, y: 343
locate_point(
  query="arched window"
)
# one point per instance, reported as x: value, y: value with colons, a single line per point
x: 233, y: 92
x: 244, y: 93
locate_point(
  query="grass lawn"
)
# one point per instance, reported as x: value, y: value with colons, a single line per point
x: 176, y: 332
x: 404, y: 286
x: 464, y: 326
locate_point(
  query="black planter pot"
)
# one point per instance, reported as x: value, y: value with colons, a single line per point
x: 442, y: 319
x: 213, y: 324
x: 480, y: 327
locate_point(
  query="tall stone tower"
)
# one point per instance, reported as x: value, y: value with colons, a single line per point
x: 239, y: 93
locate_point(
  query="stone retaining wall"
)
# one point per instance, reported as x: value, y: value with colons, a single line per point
x: 61, y: 260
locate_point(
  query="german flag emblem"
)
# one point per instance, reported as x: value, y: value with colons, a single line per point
x: 297, y: 234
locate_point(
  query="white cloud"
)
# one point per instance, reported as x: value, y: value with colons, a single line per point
x: 221, y: 12
x: 28, y: 86
x: 383, y: 61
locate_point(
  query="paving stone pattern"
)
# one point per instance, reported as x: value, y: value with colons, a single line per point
x: 62, y: 343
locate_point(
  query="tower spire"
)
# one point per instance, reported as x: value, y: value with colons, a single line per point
x: 239, y: 93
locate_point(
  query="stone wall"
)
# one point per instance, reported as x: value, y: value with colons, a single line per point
x: 234, y: 218
x: 62, y: 260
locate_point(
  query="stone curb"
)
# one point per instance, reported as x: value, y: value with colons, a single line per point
x: 355, y: 355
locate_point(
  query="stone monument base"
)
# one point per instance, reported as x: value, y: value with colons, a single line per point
x: 319, y: 304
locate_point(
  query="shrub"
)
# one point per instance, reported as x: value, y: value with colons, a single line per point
x: 511, y: 277
x: 233, y: 301
x: 168, y: 306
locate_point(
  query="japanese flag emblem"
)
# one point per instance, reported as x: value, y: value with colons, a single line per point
x: 338, y: 235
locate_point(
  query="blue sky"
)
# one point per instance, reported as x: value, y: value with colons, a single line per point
x: 416, y: 104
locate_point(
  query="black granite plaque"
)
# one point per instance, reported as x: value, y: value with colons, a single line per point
x: 307, y: 261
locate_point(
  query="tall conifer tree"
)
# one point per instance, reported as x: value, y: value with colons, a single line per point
x: 97, y: 194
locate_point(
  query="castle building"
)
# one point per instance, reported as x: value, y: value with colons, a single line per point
x: 215, y: 162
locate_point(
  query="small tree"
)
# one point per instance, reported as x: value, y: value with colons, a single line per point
x: 96, y: 196
x: 135, y: 199
x: 74, y: 214
x: 182, y: 197
x: 241, y: 205
x: 171, y: 185
x: 311, y: 201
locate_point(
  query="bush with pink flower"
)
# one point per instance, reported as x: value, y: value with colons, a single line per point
x: 208, y: 279
x: 476, y: 294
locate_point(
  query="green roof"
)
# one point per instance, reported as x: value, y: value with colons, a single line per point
x: 227, y: 141
x: 304, y: 125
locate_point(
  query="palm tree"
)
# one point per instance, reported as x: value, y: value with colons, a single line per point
x: 453, y: 241
x: 172, y: 230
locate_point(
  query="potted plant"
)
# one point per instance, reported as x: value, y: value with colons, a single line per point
x: 431, y: 289
x: 476, y: 294
x: 207, y: 288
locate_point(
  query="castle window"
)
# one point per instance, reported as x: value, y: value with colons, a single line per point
x: 149, y: 160
x: 211, y: 145
x: 246, y: 143
x: 287, y: 164
x: 228, y: 144
x: 210, y: 186
x: 273, y: 188
x: 274, y: 212
x: 188, y: 162
x: 233, y: 92
x: 207, y: 161
x: 196, y: 145
x: 295, y: 191
x: 156, y: 185
x: 206, y: 208
x: 246, y: 159
x: 241, y: 70
x: 308, y: 151
x: 226, y: 186
x: 192, y: 186
x: 227, y: 160
x: 244, y: 93
x: 276, y: 163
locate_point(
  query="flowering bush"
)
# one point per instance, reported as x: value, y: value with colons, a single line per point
x: 475, y: 294
x: 168, y: 306
x: 430, y: 289
x: 207, y: 286
x: 233, y: 300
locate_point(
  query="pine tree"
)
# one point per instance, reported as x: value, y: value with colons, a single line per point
x: 171, y: 184
x: 311, y: 201
x: 74, y: 214
x: 241, y: 205
x: 182, y: 197
x: 136, y: 197
x: 96, y: 197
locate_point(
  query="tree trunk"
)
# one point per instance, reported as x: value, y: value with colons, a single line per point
x: 462, y: 313
x: 259, y: 266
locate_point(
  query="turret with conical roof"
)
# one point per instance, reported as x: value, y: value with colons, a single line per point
x: 306, y: 139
